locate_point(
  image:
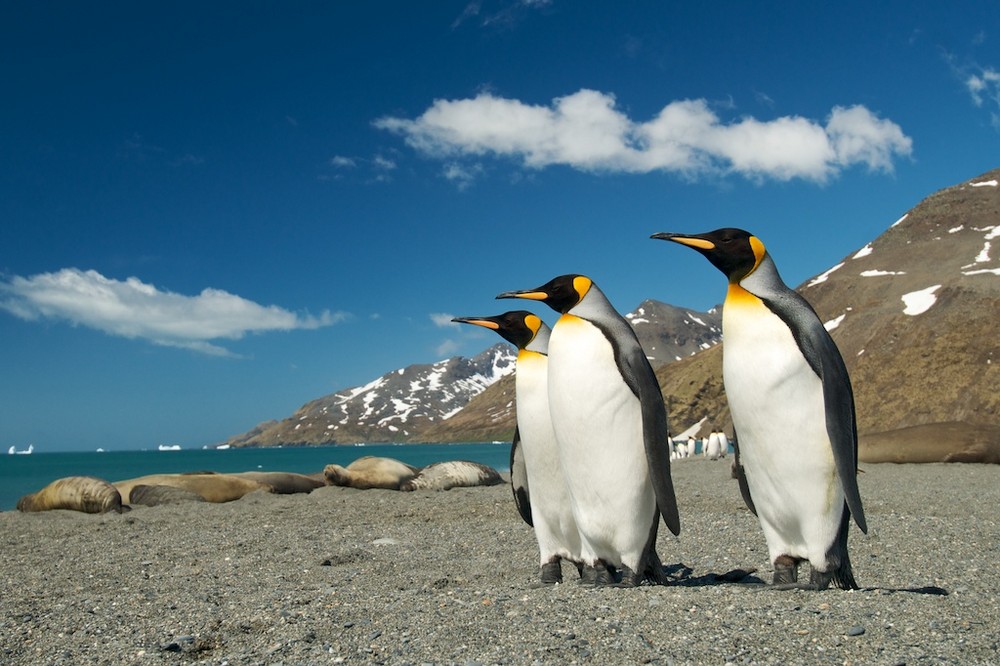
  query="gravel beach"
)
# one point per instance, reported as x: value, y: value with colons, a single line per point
x: 350, y: 576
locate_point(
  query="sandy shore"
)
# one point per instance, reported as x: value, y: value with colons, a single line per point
x: 348, y: 576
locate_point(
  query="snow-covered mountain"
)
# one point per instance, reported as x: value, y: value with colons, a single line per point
x: 669, y: 333
x: 394, y: 407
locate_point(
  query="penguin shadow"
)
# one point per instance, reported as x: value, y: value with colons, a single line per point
x: 680, y: 575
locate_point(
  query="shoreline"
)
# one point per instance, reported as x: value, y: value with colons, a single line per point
x: 348, y: 576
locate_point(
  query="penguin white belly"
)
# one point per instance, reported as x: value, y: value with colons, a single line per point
x: 780, y: 418
x: 551, y: 509
x: 598, y: 423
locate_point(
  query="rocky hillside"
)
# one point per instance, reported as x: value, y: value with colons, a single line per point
x: 395, y: 407
x: 914, y: 314
x: 461, y: 400
x: 669, y: 333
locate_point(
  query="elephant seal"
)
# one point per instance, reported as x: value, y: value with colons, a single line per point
x: 156, y: 495
x: 370, y: 472
x: 76, y: 493
x: 213, y: 487
x: 285, y: 483
x: 453, y: 474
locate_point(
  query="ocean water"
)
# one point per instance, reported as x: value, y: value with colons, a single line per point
x: 23, y: 474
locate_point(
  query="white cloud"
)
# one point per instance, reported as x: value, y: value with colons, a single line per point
x: 984, y: 87
x: 462, y: 174
x: 134, y: 309
x: 447, y: 349
x: 443, y: 320
x: 586, y: 130
x: 342, y: 162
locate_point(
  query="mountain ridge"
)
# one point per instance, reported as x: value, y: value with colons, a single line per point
x: 909, y: 312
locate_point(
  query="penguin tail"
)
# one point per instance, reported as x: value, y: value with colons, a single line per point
x: 843, y: 576
x: 841, y: 572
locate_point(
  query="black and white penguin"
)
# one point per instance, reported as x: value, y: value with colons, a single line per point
x: 537, y: 479
x: 793, y: 407
x: 611, y: 426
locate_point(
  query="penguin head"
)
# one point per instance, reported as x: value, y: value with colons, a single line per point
x: 518, y: 327
x: 735, y: 252
x: 561, y: 293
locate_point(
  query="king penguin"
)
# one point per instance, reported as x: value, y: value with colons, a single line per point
x: 611, y: 426
x: 537, y: 480
x: 793, y: 407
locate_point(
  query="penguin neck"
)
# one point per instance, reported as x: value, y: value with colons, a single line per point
x: 592, y: 307
x: 540, y: 343
x: 763, y: 282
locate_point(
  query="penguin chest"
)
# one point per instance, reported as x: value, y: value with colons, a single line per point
x: 532, y: 397
x: 777, y: 405
x: 596, y: 416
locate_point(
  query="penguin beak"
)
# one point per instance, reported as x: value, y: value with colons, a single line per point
x: 532, y: 294
x: 691, y: 241
x: 478, y: 321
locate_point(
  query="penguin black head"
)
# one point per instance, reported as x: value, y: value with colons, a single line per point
x: 735, y: 252
x: 561, y: 293
x: 518, y: 327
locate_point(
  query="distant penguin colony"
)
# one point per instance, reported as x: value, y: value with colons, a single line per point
x: 590, y: 460
x: 793, y: 409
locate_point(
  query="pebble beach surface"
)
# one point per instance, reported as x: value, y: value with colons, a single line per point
x: 373, y: 576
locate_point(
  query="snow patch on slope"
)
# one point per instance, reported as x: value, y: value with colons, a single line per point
x: 919, y: 302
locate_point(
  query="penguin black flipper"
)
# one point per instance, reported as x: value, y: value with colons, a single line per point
x: 821, y: 352
x: 640, y: 378
x: 741, y: 477
x: 519, y: 479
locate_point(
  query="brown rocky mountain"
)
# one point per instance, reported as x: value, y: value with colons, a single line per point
x: 914, y: 313
x: 915, y: 316
x: 431, y: 403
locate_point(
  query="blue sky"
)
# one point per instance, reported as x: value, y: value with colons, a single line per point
x: 212, y: 213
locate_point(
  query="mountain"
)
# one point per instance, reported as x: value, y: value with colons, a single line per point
x: 395, y: 407
x: 460, y: 400
x: 914, y: 314
x: 669, y: 333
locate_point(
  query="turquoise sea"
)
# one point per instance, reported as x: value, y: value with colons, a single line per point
x: 22, y: 474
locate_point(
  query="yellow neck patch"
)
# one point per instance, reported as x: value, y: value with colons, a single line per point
x: 758, y: 252
x: 533, y: 323
x: 737, y: 295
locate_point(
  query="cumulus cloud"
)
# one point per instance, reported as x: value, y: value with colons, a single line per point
x: 587, y: 131
x: 134, y: 309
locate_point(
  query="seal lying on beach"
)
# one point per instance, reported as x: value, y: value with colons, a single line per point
x: 76, y: 493
x: 213, y: 487
x: 370, y: 472
x: 453, y: 474
x: 156, y: 495
x: 932, y: 442
x: 285, y: 483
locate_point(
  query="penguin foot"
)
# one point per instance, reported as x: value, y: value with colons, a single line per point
x: 551, y: 573
x: 629, y: 578
x: 786, y: 570
x: 597, y: 574
x: 820, y: 580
